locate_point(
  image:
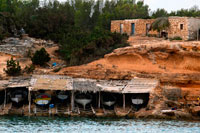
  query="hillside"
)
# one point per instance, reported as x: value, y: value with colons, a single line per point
x: 150, y: 56
x: 174, y: 63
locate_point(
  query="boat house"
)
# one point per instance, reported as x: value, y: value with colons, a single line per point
x: 44, y: 95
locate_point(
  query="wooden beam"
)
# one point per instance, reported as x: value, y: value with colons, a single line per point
x: 5, y: 98
x: 124, y: 101
x: 99, y: 102
x: 29, y: 100
x: 72, y: 100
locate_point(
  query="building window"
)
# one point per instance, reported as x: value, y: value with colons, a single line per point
x: 181, y: 26
x: 121, y: 28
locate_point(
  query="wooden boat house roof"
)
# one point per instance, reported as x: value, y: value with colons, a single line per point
x: 115, y: 86
x: 3, y: 84
x: 58, y: 82
x: 85, y: 85
x: 50, y: 82
x: 19, y: 82
x: 140, y: 85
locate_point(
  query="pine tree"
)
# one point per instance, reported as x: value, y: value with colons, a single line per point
x: 13, y: 68
x: 40, y: 57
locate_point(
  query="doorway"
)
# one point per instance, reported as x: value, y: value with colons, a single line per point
x: 121, y: 28
x: 148, y: 28
x: 132, y: 28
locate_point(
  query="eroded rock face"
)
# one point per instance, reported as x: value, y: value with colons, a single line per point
x: 172, y: 93
x: 195, y: 111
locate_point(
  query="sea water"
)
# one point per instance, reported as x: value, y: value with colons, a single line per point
x: 91, y: 125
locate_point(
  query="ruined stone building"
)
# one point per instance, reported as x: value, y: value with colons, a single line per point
x: 185, y: 27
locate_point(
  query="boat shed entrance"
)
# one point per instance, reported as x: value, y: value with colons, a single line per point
x: 49, y: 85
x: 137, y: 91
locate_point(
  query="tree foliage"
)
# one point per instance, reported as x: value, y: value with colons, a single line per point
x: 192, y: 12
x: 159, y: 13
x: 13, y: 68
x: 160, y: 24
x: 52, y: 19
x: 82, y: 28
x: 79, y: 47
x: 40, y: 57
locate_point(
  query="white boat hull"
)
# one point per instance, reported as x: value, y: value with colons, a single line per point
x: 17, y: 99
x: 109, y: 103
x: 42, y: 102
x: 62, y: 97
x: 83, y: 102
x: 137, y: 101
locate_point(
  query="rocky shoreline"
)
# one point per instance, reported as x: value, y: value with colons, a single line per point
x: 174, y: 64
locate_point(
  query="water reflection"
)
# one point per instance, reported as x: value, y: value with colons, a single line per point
x: 56, y: 124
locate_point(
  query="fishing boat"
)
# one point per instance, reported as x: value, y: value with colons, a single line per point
x: 43, y: 99
x: 83, y: 99
x: 62, y: 95
x: 108, y: 100
x: 18, y: 96
x: 137, y: 101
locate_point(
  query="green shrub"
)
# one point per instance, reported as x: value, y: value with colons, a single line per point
x: 13, y: 68
x: 176, y: 38
x: 29, y: 69
x: 40, y: 57
x: 57, y: 69
x: 160, y: 24
x: 80, y: 47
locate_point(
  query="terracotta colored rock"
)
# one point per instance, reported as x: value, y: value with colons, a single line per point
x: 183, y: 114
x: 195, y: 110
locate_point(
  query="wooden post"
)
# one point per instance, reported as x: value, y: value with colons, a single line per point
x: 72, y: 100
x: 29, y: 100
x: 124, y: 101
x: 99, y: 102
x: 5, y: 99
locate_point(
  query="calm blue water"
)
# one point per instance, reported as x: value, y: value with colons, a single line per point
x: 87, y: 125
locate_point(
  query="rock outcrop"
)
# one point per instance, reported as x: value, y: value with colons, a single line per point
x: 21, y: 47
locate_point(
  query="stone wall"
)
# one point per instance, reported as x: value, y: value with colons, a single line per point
x: 140, y: 26
x: 175, y: 27
x: 188, y: 31
x: 172, y: 93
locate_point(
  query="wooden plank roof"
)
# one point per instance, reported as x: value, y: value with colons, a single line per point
x: 20, y: 81
x: 3, y: 84
x: 85, y: 85
x: 115, y: 86
x: 50, y: 82
x: 141, y: 85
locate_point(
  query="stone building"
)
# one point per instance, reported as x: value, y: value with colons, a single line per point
x: 185, y: 27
